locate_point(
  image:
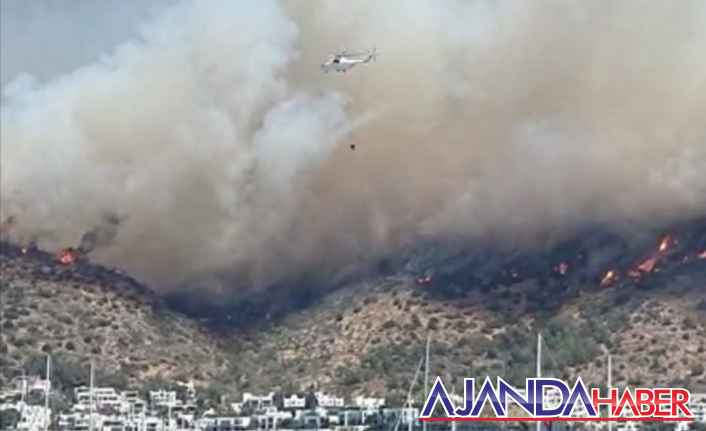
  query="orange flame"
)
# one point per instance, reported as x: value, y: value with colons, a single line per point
x: 648, y: 265
x: 67, y: 256
x: 609, y: 278
x: 665, y: 243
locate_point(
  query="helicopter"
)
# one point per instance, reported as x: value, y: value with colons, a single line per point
x: 344, y: 61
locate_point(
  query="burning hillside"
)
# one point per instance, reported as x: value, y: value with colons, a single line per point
x: 227, y: 149
x: 64, y: 305
x: 68, y: 256
x: 584, y: 264
x: 525, y: 167
x: 71, y: 266
x: 99, y: 236
x: 595, y: 258
x: 598, y: 257
x: 499, y: 297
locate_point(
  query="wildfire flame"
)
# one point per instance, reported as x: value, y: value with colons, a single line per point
x: 609, y: 278
x: 424, y: 280
x: 666, y: 242
x: 648, y: 265
x: 67, y: 256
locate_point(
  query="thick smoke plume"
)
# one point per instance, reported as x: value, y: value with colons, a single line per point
x: 101, y: 235
x: 218, y: 136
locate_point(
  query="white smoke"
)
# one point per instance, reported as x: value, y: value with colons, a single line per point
x: 219, y: 138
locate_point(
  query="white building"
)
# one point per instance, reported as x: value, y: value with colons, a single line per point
x: 136, y: 405
x: 311, y: 418
x: 74, y: 421
x: 237, y: 408
x: 258, y: 402
x: 294, y: 402
x: 271, y: 417
x: 369, y: 402
x: 81, y: 421
x: 150, y: 423
x: 33, y: 417
x: 185, y: 415
x: 10, y: 395
x: 328, y: 401
x: 163, y: 398
x: 112, y: 423
x: 319, y: 412
x: 223, y: 423
x: 102, y: 398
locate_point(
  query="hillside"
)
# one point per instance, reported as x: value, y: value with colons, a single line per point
x: 371, y: 337
x: 83, y: 310
x: 643, y: 302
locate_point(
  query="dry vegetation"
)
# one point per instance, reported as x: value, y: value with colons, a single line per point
x: 367, y: 337
x: 66, y: 311
x: 370, y: 338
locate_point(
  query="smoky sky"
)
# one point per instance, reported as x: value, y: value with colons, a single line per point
x: 46, y: 38
x: 210, y: 127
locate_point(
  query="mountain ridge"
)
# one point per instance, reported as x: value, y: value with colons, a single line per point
x: 367, y: 336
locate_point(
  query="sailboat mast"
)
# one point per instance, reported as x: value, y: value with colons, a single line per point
x: 46, y: 393
x: 426, y: 375
x: 90, y: 396
x: 610, y: 382
x: 539, y: 366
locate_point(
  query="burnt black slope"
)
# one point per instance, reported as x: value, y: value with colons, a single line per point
x: 456, y: 268
x: 587, y: 258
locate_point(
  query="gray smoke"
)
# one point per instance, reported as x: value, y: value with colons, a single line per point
x: 101, y: 235
x: 214, y: 130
